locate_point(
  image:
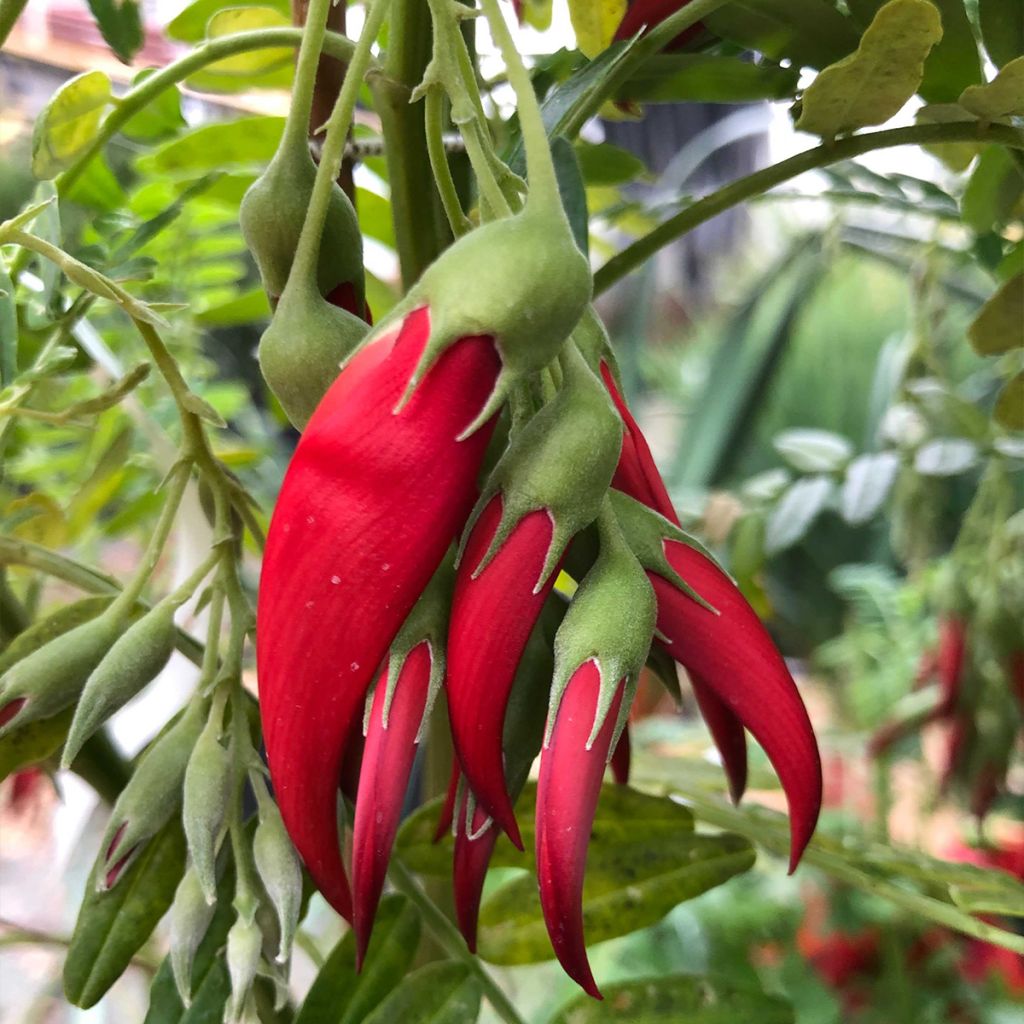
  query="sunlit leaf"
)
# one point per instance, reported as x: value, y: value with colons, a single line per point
x: 595, y: 22
x: 1002, y: 97
x: 67, y: 125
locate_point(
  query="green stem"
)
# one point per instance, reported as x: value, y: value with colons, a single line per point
x: 213, y: 50
x: 540, y: 168
x: 434, y: 114
x: 296, y: 126
x: 10, y: 10
x: 92, y: 581
x: 759, y: 182
x: 333, y: 150
x: 449, y: 937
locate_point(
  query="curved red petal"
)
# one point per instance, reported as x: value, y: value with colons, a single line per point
x: 492, y: 616
x: 387, y: 763
x: 733, y: 653
x: 370, y: 503
x: 949, y: 661
x: 727, y: 732
x: 568, y: 788
x: 621, y: 757
x: 473, y: 849
x: 645, y: 14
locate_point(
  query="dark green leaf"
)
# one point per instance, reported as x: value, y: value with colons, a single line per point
x: 338, y: 994
x: 1002, y: 29
x: 674, y: 999
x: 442, y: 993
x: 707, y: 78
x: 632, y: 881
x: 995, y: 186
x: 112, y: 925
x: 621, y: 813
x: 601, y: 163
x: 954, y: 63
x: 570, y: 187
x: 810, y: 33
x: 33, y: 742
x: 1009, y: 411
x: 999, y: 326
x: 120, y: 21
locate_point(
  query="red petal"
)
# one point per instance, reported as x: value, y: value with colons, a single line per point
x: 567, y: 791
x: 733, y: 653
x: 491, y: 620
x: 344, y: 296
x: 469, y: 867
x: 645, y: 14
x: 383, y: 781
x: 370, y: 503
x: 637, y: 475
x: 949, y: 662
x: 352, y: 762
x: 621, y: 758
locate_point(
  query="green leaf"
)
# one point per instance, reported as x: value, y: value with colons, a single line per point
x: 442, y: 993
x: 673, y: 999
x: 1009, y: 410
x: 120, y: 21
x: 795, y: 513
x: 1002, y: 29
x: 810, y: 33
x: 159, y: 118
x: 248, y: 19
x: 945, y: 456
x: 67, y: 125
x: 707, y: 78
x: 1002, y: 97
x: 8, y: 328
x: 622, y: 814
x: 632, y: 881
x: 113, y: 925
x: 601, y: 163
x: 999, y: 326
x: 248, y: 140
x: 595, y: 22
x: 872, y: 84
x: 869, y: 478
x: 992, y: 193
x: 341, y: 996
x: 954, y: 63
x: 190, y: 25
x: 813, y: 451
x: 246, y: 308
x: 957, y: 156
x: 570, y: 187
x: 97, y: 188
x: 34, y: 742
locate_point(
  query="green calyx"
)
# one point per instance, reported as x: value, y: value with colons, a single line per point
x: 302, y: 350
x: 271, y: 217
x: 561, y: 462
x: 592, y: 340
x: 521, y: 281
x: 427, y: 623
x: 646, y: 532
x: 610, y: 621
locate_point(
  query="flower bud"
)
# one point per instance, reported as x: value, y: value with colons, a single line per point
x: 245, y: 941
x: 136, y: 659
x: 152, y: 795
x: 279, y: 869
x: 191, y: 915
x: 206, y: 793
x: 50, y: 678
x: 57, y: 623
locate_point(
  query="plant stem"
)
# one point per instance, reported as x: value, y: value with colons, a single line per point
x: 420, y: 229
x: 213, y: 50
x: 296, y: 126
x: 761, y: 181
x: 448, y: 936
x: 333, y: 150
x: 92, y: 581
x: 434, y: 114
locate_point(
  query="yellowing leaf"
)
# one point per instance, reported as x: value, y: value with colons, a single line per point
x: 537, y: 14
x: 595, y: 22
x: 67, y: 124
x: 999, y: 327
x: 246, y: 19
x: 870, y: 85
x: 1002, y: 97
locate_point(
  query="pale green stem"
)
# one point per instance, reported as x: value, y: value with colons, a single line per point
x: 439, y: 163
x: 296, y: 125
x: 333, y: 150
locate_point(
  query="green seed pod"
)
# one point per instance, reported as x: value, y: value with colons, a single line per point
x: 152, y: 795
x: 271, y: 217
x: 206, y: 793
x: 190, y: 918
x: 136, y: 659
x: 245, y: 941
x: 279, y: 869
x: 51, y: 678
x: 302, y: 350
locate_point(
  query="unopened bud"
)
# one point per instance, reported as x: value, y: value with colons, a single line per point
x: 278, y: 867
x: 190, y: 918
x: 245, y: 941
x: 206, y: 792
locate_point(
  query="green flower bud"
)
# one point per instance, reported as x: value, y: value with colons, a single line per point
x: 152, y: 795
x: 245, y: 941
x: 207, y: 790
x: 190, y: 918
x: 278, y: 866
x: 51, y: 678
x: 136, y: 659
x: 58, y: 622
